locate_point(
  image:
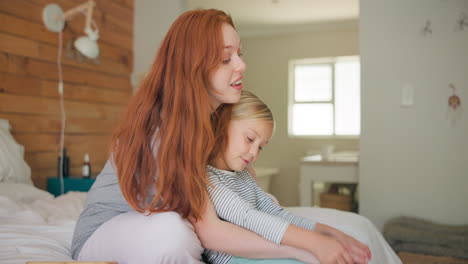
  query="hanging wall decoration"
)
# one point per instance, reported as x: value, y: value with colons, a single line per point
x: 454, y: 104
x: 427, y: 30
x: 462, y: 22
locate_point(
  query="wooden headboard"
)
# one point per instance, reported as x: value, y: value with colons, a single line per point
x: 95, y: 91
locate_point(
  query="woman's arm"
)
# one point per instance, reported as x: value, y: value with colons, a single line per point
x: 358, y: 251
x: 222, y: 236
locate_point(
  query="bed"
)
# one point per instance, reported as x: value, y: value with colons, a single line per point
x: 36, y: 226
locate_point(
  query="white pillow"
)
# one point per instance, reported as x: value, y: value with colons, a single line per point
x: 13, y: 167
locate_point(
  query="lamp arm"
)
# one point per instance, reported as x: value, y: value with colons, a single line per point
x: 89, y: 14
x: 88, y: 7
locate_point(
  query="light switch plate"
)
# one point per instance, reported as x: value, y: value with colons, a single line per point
x: 407, y: 95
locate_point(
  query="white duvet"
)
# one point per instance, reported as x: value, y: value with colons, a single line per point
x: 35, y: 226
x: 354, y: 225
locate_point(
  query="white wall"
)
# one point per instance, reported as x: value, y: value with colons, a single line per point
x: 267, y: 76
x: 414, y: 161
x: 152, y: 20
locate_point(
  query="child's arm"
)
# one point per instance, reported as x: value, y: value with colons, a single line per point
x: 233, y: 208
x: 266, y: 204
x: 223, y: 236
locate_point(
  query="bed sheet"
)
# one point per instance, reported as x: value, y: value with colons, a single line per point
x: 35, y: 226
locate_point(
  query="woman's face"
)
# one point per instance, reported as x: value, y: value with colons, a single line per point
x: 226, y: 80
x: 246, y: 138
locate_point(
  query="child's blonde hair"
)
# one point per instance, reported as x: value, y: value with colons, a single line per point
x: 249, y: 107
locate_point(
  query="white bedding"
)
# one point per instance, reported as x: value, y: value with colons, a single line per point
x: 35, y: 226
x: 354, y: 225
x: 13, y: 167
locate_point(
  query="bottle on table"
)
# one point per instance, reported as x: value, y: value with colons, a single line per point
x: 86, y: 169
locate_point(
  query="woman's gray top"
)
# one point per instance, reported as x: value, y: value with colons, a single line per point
x: 104, y: 201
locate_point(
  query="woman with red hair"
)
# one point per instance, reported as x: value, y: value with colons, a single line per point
x: 140, y: 207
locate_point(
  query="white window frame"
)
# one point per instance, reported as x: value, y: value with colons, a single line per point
x: 292, y: 102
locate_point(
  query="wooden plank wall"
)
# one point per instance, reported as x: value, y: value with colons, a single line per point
x: 95, y: 93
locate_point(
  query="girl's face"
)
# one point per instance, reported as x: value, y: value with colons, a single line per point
x: 246, y: 138
x: 226, y: 80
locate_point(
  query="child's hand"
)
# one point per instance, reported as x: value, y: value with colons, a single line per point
x: 359, y: 252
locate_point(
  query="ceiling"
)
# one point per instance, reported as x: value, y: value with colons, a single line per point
x: 265, y: 13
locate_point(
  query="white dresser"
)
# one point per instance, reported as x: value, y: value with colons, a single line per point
x: 340, y: 168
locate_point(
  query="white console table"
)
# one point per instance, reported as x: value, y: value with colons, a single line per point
x: 264, y: 176
x: 339, y: 169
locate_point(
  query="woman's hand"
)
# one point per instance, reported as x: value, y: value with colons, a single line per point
x: 330, y: 251
x: 359, y: 252
x: 326, y: 248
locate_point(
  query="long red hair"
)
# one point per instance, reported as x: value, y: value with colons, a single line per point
x: 167, y: 131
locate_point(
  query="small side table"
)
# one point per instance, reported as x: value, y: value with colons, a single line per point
x: 264, y: 176
x: 314, y: 169
x: 69, y: 184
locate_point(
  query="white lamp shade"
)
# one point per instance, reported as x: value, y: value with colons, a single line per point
x: 87, y: 47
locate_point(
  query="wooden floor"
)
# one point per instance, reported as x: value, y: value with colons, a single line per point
x: 411, y: 258
x: 406, y: 257
x: 70, y: 262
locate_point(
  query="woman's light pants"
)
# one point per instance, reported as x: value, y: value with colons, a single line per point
x: 134, y: 238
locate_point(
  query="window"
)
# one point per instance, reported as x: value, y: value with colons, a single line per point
x: 324, y: 97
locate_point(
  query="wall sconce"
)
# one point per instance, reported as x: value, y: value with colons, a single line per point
x: 54, y: 20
